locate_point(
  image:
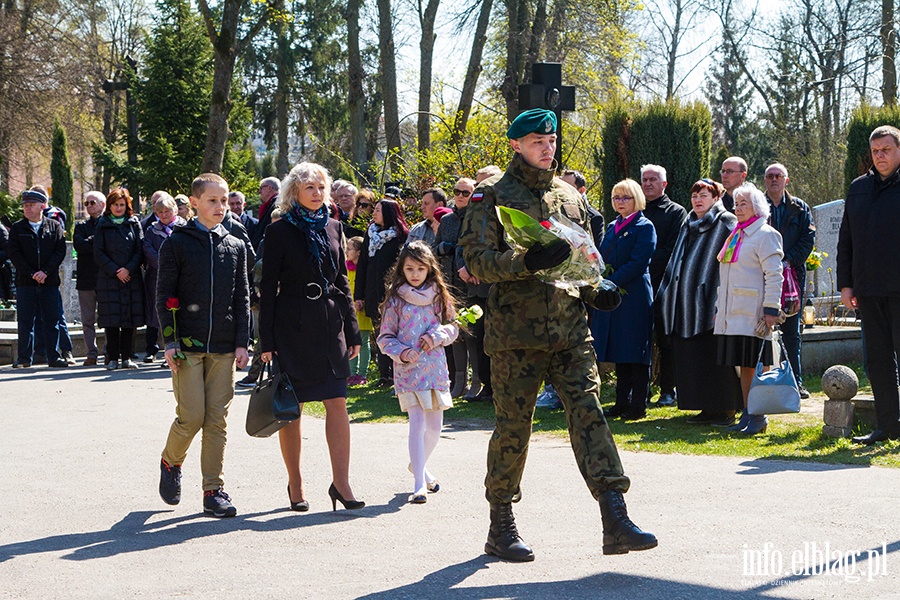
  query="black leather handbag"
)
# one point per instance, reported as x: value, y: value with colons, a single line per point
x: 273, y: 402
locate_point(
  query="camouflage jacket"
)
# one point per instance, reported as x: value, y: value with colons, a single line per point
x: 523, y: 312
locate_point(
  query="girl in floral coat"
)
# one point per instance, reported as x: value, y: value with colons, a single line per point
x: 417, y: 321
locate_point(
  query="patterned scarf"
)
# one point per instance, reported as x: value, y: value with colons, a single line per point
x: 312, y: 223
x: 729, y: 252
x: 379, y: 237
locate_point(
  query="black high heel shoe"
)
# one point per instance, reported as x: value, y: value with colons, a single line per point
x: 348, y: 504
x: 301, y: 506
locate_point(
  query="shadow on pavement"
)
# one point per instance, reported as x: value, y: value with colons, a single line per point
x: 97, y: 373
x: 446, y: 584
x: 134, y: 534
x: 772, y: 464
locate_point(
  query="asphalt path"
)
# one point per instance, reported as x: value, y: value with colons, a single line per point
x: 80, y: 516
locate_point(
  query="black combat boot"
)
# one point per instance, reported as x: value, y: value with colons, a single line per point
x: 620, y: 535
x: 503, y: 538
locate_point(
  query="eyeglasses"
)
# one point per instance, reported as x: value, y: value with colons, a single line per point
x: 622, y: 198
x: 774, y: 176
x: 363, y: 205
x: 90, y: 202
x: 729, y: 172
x: 463, y: 193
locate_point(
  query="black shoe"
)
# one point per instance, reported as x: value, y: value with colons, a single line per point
x: 301, y: 506
x: 485, y: 395
x: 23, y: 364
x: 615, y: 411
x: 59, y: 363
x: 218, y: 504
x: 804, y: 393
x: 150, y: 358
x: 634, y: 416
x: 620, y: 535
x: 666, y: 400
x: 879, y: 435
x: 347, y: 504
x: 503, y: 537
x: 246, y: 382
x: 701, y: 418
x: 169, y: 482
x: 723, y: 419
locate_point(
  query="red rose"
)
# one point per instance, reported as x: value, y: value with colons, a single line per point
x: 545, y: 224
x: 172, y: 304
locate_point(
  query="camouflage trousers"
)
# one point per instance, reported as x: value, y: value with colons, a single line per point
x: 516, y: 376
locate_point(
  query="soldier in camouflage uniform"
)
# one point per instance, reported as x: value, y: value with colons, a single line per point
x: 533, y: 330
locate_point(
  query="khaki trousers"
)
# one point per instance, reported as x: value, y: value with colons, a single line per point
x: 204, y: 388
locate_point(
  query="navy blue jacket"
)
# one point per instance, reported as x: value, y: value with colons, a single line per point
x: 623, y: 335
x: 31, y: 253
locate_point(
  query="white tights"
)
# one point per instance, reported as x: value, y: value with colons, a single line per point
x: 424, y: 432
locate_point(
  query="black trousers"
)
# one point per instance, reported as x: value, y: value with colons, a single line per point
x: 633, y: 379
x: 119, y: 343
x: 881, y: 337
x: 665, y: 379
x: 477, y: 332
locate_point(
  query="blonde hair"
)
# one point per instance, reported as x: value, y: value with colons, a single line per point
x: 299, y: 175
x: 165, y: 200
x: 631, y: 188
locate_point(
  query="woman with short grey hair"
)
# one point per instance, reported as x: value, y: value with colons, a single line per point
x: 749, y: 295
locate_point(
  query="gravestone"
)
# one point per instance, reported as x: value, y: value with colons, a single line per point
x: 71, y: 309
x: 828, y: 219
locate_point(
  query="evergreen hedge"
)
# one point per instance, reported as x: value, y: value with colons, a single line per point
x: 863, y: 121
x: 671, y: 134
x: 61, y: 176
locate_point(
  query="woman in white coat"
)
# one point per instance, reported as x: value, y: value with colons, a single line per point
x: 749, y: 295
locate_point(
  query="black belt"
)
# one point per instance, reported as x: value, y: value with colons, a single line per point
x: 314, y: 291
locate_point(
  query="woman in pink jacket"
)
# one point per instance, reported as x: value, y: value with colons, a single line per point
x: 417, y: 321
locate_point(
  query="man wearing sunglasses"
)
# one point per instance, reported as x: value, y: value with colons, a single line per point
x: 86, y: 272
x: 793, y: 220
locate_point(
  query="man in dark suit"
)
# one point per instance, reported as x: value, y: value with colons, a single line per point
x: 237, y: 202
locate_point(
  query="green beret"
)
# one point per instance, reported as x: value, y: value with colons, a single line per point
x: 536, y: 120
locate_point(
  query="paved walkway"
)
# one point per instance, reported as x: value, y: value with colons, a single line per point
x: 80, y: 515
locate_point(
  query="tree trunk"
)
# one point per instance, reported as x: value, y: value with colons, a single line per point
x: 426, y: 54
x: 516, y: 43
x: 672, y: 58
x: 538, y: 28
x: 283, y: 72
x: 227, y: 48
x: 356, y: 98
x: 889, y: 47
x: 389, y: 81
x: 472, y: 72
x: 220, y: 108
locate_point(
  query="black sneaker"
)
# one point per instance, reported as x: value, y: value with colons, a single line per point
x: 169, y: 482
x: 247, y: 382
x: 804, y: 393
x: 218, y: 504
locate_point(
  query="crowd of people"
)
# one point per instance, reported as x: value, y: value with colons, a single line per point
x: 324, y: 260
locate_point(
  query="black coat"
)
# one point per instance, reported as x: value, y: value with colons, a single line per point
x: 687, y: 295
x: 31, y: 253
x: 116, y: 246
x: 310, y: 334
x: 869, y: 240
x: 798, y: 235
x: 5, y: 265
x: 446, y: 250
x: 265, y: 219
x: 667, y: 218
x: 207, y: 272
x: 249, y: 223
x: 86, y: 267
x: 371, y: 272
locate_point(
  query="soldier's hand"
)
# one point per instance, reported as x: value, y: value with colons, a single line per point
x: 607, y: 300
x: 540, y: 257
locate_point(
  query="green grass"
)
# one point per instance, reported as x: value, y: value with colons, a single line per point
x: 665, y: 430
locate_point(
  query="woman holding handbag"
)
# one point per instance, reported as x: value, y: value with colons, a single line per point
x: 307, y: 319
x: 749, y: 295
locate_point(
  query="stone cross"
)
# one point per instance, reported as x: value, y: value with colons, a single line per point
x: 547, y: 91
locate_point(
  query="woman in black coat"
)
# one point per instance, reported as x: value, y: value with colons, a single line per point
x: 307, y: 320
x: 381, y: 246
x: 688, y: 304
x: 118, y: 251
